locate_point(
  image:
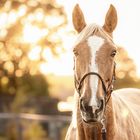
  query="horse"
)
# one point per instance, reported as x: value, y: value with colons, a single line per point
x: 100, y: 112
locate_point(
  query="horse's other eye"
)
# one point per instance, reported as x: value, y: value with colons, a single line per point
x: 113, y: 53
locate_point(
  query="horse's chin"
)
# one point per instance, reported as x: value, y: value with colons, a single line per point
x: 91, y: 122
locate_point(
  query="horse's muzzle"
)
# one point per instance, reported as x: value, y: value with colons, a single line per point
x: 87, y: 111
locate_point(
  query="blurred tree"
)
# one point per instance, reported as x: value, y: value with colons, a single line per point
x: 125, y: 70
x: 29, y: 87
x: 29, y: 36
x: 29, y: 131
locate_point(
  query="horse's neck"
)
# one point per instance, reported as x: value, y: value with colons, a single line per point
x: 93, y: 132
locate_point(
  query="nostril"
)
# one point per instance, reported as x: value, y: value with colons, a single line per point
x: 100, y: 106
x: 84, y: 105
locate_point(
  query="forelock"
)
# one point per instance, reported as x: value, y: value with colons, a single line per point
x: 90, y: 30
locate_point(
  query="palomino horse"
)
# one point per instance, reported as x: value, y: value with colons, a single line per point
x: 100, y: 113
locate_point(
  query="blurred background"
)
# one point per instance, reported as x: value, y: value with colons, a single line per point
x: 36, y: 62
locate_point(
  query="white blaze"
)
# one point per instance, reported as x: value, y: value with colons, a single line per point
x: 94, y: 42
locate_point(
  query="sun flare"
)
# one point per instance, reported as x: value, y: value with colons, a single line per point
x: 32, y: 34
x: 34, y: 54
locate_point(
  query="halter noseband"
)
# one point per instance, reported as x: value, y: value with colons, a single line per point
x: 87, y: 74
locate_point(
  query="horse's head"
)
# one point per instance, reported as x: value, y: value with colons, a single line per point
x: 94, y: 53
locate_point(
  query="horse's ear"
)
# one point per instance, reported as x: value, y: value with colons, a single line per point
x: 110, y: 19
x: 78, y: 18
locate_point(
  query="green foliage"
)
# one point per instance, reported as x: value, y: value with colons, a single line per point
x: 3, y: 138
x: 28, y: 86
x: 27, y: 131
x: 33, y: 85
x: 34, y: 131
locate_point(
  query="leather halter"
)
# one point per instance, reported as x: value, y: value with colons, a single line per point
x: 107, y: 92
x: 91, y: 73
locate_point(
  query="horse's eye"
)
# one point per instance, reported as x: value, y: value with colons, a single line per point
x: 75, y: 52
x: 113, y: 53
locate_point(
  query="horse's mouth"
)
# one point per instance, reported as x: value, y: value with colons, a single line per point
x: 91, y: 120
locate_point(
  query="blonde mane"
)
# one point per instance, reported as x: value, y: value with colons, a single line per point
x: 126, y: 106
